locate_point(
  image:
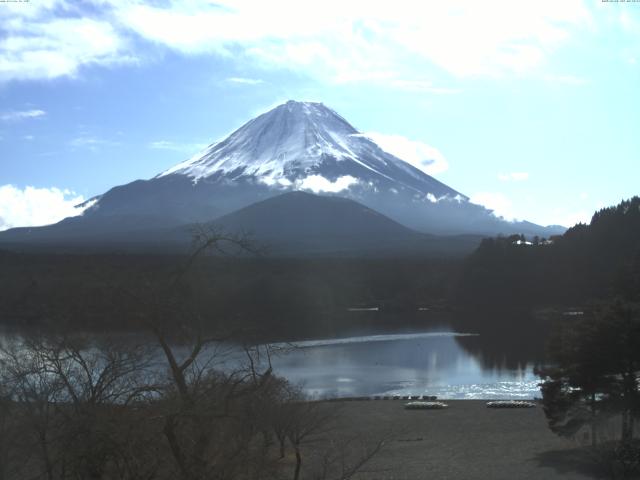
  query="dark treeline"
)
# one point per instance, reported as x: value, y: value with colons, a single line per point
x: 282, y: 298
x: 516, y: 290
x: 588, y: 262
x: 503, y: 285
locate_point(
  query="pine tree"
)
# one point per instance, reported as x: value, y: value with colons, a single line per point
x: 596, y: 362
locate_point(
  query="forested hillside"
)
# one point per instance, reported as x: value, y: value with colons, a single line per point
x: 588, y: 262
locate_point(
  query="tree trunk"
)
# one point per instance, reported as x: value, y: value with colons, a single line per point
x: 45, y: 455
x: 594, y: 432
x: 174, y: 446
x: 296, y: 474
x: 627, y: 426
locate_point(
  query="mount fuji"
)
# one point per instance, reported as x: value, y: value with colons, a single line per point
x: 302, y: 146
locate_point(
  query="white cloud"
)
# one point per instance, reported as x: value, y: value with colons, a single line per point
x: 422, y: 156
x: 177, y: 147
x: 91, y: 143
x: 513, y: 176
x: 33, y: 206
x: 317, y: 184
x: 366, y: 39
x: 572, y: 218
x: 385, y: 42
x: 22, y: 115
x: 495, y: 201
x: 245, y: 81
x: 40, y: 43
x: 536, y: 210
x: 277, y: 181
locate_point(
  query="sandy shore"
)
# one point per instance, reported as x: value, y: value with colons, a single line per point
x: 465, y: 441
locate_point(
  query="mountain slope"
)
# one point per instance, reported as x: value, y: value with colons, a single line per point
x: 303, y: 146
x: 295, y: 146
x: 301, y: 223
x: 302, y: 215
x: 290, y: 224
x: 295, y: 143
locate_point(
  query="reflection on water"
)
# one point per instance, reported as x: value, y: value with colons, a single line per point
x: 446, y: 364
x: 407, y: 364
x: 370, y: 339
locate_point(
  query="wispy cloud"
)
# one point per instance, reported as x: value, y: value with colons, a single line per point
x: 379, y: 41
x: 513, y: 176
x: 177, y: 147
x: 499, y: 203
x: 465, y: 38
x: 569, y: 218
x: 419, y: 154
x: 91, y: 143
x: 244, y: 81
x: 18, y: 115
x: 317, y: 183
x: 31, y: 206
x: 52, y: 39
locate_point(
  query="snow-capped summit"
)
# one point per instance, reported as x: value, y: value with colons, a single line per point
x: 292, y: 132
x: 295, y: 146
x: 308, y: 146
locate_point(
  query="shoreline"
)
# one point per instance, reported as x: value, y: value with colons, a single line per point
x: 425, y: 398
x: 466, y: 441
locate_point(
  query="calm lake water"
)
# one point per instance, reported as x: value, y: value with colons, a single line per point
x: 433, y: 363
x: 441, y: 363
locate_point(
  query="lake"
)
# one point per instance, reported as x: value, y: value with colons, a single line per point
x: 429, y: 363
x: 442, y: 363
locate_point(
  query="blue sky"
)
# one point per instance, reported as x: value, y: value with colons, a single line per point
x: 530, y: 108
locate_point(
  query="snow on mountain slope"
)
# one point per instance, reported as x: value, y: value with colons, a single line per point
x: 306, y: 145
x: 295, y: 146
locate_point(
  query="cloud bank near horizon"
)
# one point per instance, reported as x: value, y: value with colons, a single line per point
x: 31, y: 206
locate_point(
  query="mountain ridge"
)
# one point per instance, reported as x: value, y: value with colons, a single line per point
x: 291, y: 224
x: 295, y: 146
x: 286, y: 145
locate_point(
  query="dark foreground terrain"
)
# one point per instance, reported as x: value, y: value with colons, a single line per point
x: 465, y: 441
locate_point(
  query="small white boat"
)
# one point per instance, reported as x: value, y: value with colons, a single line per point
x: 425, y: 405
x: 510, y: 404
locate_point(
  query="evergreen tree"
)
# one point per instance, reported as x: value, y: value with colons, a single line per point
x: 594, y: 377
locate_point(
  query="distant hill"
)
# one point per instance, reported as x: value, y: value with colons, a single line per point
x: 290, y: 224
x: 300, y: 222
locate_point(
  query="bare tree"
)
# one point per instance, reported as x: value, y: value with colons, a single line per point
x: 69, y: 394
x: 343, y: 458
x: 104, y: 408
